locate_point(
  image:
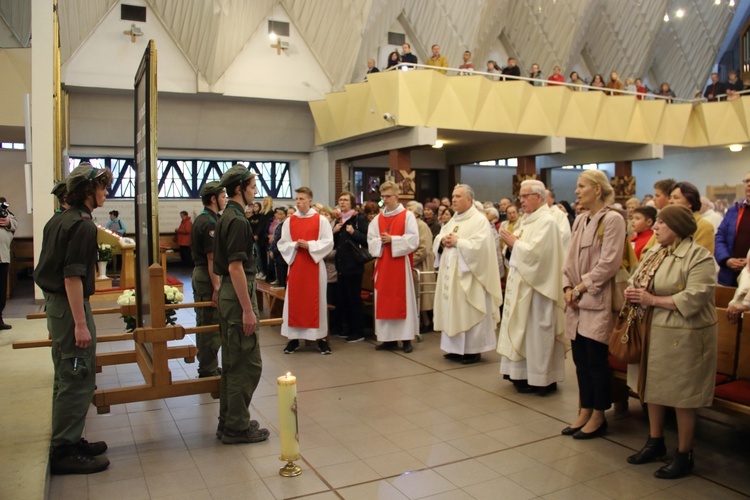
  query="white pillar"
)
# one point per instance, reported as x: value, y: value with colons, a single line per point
x: 42, y: 129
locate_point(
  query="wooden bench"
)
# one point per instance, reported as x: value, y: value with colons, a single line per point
x: 272, y: 296
x: 732, y: 393
x: 733, y: 397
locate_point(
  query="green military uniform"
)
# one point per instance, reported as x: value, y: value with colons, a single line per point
x: 240, y: 354
x: 201, y: 244
x: 69, y: 249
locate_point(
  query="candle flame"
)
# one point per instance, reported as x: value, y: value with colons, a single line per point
x: 288, y: 374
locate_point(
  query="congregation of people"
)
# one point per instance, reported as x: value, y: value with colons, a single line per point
x: 532, y: 279
x: 715, y: 91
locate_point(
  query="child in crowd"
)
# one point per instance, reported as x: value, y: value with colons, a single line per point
x: 642, y: 222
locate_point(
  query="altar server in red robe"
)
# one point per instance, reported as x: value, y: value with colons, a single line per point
x: 306, y: 238
x: 392, y: 237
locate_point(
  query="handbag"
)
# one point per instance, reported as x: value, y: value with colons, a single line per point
x: 626, y: 341
x: 361, y: 253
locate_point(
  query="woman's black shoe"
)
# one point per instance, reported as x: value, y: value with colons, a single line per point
x: 602, y: 430
x: 680, y: 466
x: 569, y: 431
x: 653, y: 450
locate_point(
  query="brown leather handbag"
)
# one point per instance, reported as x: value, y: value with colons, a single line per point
x: 626, y: 342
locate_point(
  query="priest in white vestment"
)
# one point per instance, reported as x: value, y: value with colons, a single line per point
x: 532, y: 332
x: 306, y: 238
x: 468, y: 297
x: 392, y: 238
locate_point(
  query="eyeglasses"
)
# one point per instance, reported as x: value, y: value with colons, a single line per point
x: 524, y: 196
x: 746, y: 181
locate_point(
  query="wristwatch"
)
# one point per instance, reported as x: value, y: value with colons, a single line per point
x: 576, y: 292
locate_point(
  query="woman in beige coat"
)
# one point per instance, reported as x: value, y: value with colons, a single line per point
x: 593, y: 259
x: 424, y: 261
x: 680, y: 346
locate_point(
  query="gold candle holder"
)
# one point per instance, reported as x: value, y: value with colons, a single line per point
x: 290, y: 470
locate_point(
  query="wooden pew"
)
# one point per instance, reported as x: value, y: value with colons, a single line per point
x: 734, y: 397
x: 723, y: 295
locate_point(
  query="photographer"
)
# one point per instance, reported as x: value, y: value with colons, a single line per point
x: 8, y: 224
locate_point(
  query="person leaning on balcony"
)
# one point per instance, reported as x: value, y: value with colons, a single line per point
x: 437, y: 59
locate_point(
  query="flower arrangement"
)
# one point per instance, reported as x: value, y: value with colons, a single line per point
x: 172, y: 295
x: 104, y: 252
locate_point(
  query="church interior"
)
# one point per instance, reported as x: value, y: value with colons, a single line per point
x: 283, y: 86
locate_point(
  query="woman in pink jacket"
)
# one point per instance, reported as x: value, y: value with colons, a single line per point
x: 594, y: 257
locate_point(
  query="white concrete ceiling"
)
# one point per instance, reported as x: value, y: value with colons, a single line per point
x: 591, y: 36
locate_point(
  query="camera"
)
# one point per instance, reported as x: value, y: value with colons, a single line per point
x: 388, y: 117
x: 4, y: 210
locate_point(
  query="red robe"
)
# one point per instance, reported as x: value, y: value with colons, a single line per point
x: 390, y: 281
x: 303, y: 280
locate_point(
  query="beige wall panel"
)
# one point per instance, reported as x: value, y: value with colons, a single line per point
x: 418, y: 93
x: 472, y: 93
x: 493, y: 115
x: 696, y: 134
x: 742, y: 108
x: 359, y: 99
x: 513, y: 95
x: 638, y: 130
x: 614, y: 118
x: 325, y: 131
x: 338, y: 103
x: 385, y: 91
x: 652, y: 113
x: 554, y: 101
x: 426, y: 91
x: 534, y: 120
x: 674, y: 124
x: 574, y: 122
x: 13, y: 86
x: 720, y: 123
x: 584, y: 107
x: 450, y: 111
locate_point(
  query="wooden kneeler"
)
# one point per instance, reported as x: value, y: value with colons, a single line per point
x: 151, y: 353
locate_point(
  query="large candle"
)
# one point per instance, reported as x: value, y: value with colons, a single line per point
x: 288, y: 417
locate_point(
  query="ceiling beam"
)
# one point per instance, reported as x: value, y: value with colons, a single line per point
x: 603, y: 155
x: 512, y: 148
x: 381, y: 143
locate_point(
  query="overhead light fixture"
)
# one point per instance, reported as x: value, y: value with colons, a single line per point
x: 133, y: 32
x: 666, y: 17
x: 438, y: 144
x: 272, y: 36
x: 735, y: 148
x: 680, y: 13
x: 731, y: 3
x: 717, y: 2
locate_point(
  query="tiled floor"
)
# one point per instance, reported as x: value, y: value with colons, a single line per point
x: 388, y: 425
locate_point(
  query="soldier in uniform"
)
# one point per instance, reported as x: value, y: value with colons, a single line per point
x: 66, y: 273
x: 238, y: 312
x: 205, y: 282
x: 60, y: 190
